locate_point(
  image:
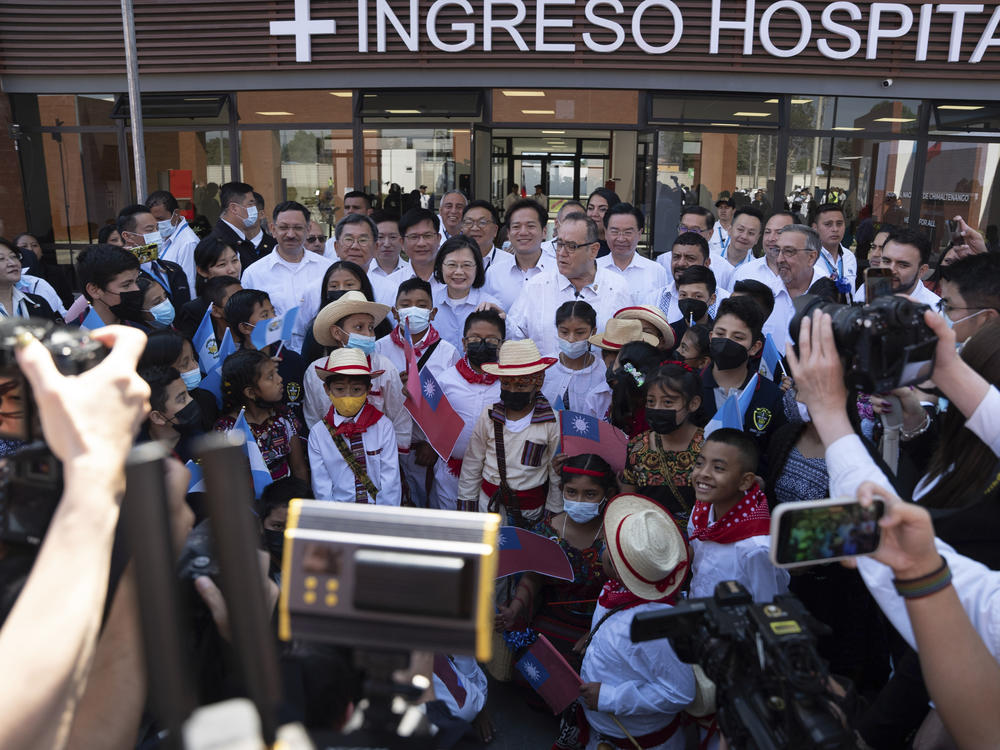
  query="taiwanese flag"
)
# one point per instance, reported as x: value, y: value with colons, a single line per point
x: 428, y: 405
x: 582, y: 433
x: 521, y: 550
x: 550, y: 675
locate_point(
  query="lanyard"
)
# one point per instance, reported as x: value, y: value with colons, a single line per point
x: 156, y: 275
x: 840, y: 265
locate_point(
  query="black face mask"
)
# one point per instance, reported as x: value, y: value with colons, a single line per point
x: 692, y: 309
x: 611, y: 376
x: 129, y: 306
x: 479, y: 353
x: 274, y: 542
x: 188, y: 420
x: 727, y: 354
x: 662, y: 421
x: 516, y: 400
x: 333, y: 295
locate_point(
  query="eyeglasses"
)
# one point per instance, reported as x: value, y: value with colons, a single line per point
x: 450, y: 265
x: 351, y: 241
x: 482, y: 223
x: 626, y: 233
x: 316, y: 238
x: 682, y: 228
x: 489, y: 340
x: 384, y: 239
x: 426, y: 237
x: 788, y: 252
x: 944, y: 308
x: 571, y: 247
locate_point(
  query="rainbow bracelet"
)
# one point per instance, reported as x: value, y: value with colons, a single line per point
x: 917, y: 588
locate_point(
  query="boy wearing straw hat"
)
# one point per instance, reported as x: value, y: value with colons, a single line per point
x: 633, y: 694
x: 508, y: 463
x: 352, y: 451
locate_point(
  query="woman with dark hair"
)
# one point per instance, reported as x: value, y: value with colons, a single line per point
x: 459, y: 266
x: 15, y: 303
x: 635, y: 361
x: 342, y: 276
x: 29, y: 248
x: 213, y: 258
x: 598, y: 203
x: 168, y: 348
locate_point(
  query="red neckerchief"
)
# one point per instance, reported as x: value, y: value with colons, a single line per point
x: 749, y: 517
x: 614, y: 594
x: 477, y: 378
x: 431, y: 336
x: 364, y: 419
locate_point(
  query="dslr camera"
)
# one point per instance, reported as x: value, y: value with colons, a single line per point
x: 883, y: 345
x: 31, y: 477
x: 772, y: 687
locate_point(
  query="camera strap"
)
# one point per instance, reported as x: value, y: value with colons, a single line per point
x: 352, y: 461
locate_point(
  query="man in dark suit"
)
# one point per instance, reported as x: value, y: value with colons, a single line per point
x: 239, y: 223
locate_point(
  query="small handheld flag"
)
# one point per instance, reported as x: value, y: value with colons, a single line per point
x: 728, y: 415
x: 258, y: 469
x: 266, y: 332
x: 205, y: 345
x: 428, y: 405
x: 212, y: 382
x: 583, y: 433
x: 520, y: 550
x: 197, y: 483
x: 770, y: 359
x: 93, y: 321
x: 550, y: 675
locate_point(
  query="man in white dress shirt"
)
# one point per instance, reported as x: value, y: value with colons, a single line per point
x: 567, y: 208
x: 765, y: 270
x: 177, y: 239
x: 835, y: 260
x: 509, y: 272
x: 798, y: 248
x: 290, y: 275
x: 450, y: 212
x: 387, y: 270
x: 623, y: 228
x: 576, y: 276
x: 905, y: 253
x: 355, y: 202
x: 743, y: 235
x: 719, y: 241
x: 690, y: 249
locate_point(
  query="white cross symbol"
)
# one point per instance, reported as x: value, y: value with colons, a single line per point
x: 303, y: 28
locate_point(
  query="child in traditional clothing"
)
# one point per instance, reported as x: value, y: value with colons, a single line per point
x: 352, y: 451
x: 730, y: 524
x: 640, y: 688
x: 513, y: 442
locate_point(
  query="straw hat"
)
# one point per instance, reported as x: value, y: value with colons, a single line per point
x: 617, y: 333
x: 347, y: 362
x: 647, y: 548
x: 351, y: 303
x: 651, y: 315
x: 519, y: 358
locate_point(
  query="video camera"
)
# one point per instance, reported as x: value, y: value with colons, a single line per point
x: 31, y: 478
x: 772, y: 688
x: 883, y: 345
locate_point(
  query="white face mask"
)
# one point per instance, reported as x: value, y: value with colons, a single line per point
x: 573, y: 349
x: 251, y: 218
x: 165, y: 228
x: 417, y: 318
x: 153, y: 238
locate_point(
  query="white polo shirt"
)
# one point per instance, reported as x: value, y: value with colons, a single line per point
x: 641, y: 274
x: 386, y: 285
x: 505, y: 279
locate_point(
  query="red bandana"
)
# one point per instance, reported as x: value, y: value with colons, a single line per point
x: 749, y: 517
x: 420, y: 347
x: 614, y: 594
x: 480, y: 378
x: 364, y: 419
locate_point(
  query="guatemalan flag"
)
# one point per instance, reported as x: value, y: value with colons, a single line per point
x: 266, y: 332
x: 733, y: 409
x: 212, y: 382
x: 205, y: 345
x: 197, y: 482
x: 550, y: 675
x: 582, y: 433
x: 258, y: 469
x: 92, y: 321
x: 769, y: 359
x: 428, y: 405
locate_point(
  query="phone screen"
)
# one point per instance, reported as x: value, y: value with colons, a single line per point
x: 814, y: 534
x: 878, y: 283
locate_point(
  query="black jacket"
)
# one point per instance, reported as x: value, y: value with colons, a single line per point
x: 244, y: 248
x: 38, y: 307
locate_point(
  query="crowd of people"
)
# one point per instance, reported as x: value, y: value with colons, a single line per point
x: 515, y: 332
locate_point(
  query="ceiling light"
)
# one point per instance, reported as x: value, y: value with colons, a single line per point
x: 771, y: 101
x: 554, y: 132
x: 751, y: 114
x: 801, y: 101
x: 403, y: 111
x: 895, y: 119
x: 341, y: 94
x: 538, y: 111
x: 844, y: 127
x: 848, y: 158
x: 960, y: 107
x: 723, y: 124
x: 275, y: 114
x: 523, y: 93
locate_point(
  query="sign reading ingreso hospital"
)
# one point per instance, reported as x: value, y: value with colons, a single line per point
x: 840, y: 31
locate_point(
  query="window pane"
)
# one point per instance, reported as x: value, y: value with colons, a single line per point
x: 560, y: 105
x: 191, y: 162
x: 275, y: 107
x: 439, y: 158
x: 854, y: 113
x: 959, y: 180
x: 753, y: 111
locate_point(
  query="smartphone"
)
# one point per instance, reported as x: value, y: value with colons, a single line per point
x: 822, y: 531
x: 955, y: 231
x: 878, y: 283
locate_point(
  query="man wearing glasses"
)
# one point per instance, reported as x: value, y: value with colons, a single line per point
x: 387, y: 269
x: 480, y: 223
x: 797, y: 249
x: 576, y: 277
x: 289, y: 274
x: 623, y: 225
x: 316, y: 241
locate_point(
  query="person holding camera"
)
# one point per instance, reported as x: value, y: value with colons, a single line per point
x: 89, y: 422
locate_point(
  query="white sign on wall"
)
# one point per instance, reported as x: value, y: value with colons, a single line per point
x: 606, y: 27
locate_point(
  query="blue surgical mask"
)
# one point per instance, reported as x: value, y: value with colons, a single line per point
x: 573, y: 349
x: 163, y: 313
x: 417, y: 318
x: 581, y: 512
x: 165, y: 228
x: 251, y: 218
x: 364, y: 343
x: 191, y: 378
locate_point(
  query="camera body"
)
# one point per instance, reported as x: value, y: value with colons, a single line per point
x: 771, y: 684
x: 31, y: 478
x: 883, y: 345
